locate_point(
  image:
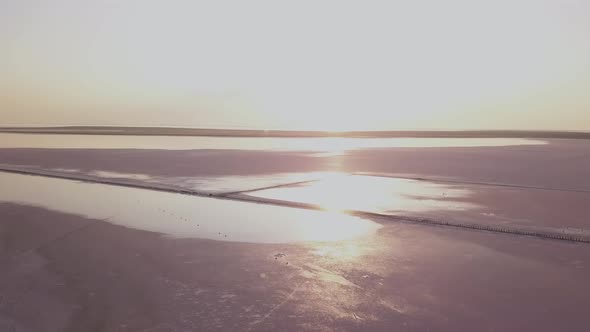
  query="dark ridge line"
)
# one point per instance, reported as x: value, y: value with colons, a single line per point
x: 108, y: 181
x: 418, y: 220
x: 298, y: 205
x: 486, y: 228
x: 121, y: 182
x: 265, y: 188
x: 491, y: 184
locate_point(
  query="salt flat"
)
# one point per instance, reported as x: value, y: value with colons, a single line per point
x: 63, y: 272
x: 82, y: 256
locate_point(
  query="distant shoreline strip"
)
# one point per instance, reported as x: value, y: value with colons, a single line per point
x: 167, y: 131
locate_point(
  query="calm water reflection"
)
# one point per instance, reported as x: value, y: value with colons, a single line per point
x: 374, y: 194
x: 326, y: 145
x: 180, y: 215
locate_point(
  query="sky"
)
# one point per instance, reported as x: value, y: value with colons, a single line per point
x: 301, y: 65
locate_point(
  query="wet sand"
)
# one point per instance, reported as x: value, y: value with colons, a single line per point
x: 66, y: 273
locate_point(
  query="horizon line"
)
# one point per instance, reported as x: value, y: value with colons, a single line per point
x: 278, y: 133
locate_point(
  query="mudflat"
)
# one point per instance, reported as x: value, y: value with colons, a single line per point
x: 77, y: 257
x: 64, y: 272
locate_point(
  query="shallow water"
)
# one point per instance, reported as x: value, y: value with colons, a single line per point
x: 183, y: 216
x: 232, y: 184
x: 200, y: 184
x: 374, y: 194
x: 325, y: 145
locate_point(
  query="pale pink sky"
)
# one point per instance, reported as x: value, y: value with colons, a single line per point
x: 457, y: 64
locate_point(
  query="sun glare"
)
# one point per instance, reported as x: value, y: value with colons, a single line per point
x: 329, y: 65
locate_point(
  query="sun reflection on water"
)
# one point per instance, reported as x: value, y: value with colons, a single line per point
x: 330, y: 145
x: 183, y: 216
x: 341, y: 192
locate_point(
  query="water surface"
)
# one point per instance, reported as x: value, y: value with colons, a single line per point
x: 327, y: 144
x: 374, y: 194
x: 182, y: 216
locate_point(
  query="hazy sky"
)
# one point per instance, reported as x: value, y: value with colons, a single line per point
x: 502, y: 64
